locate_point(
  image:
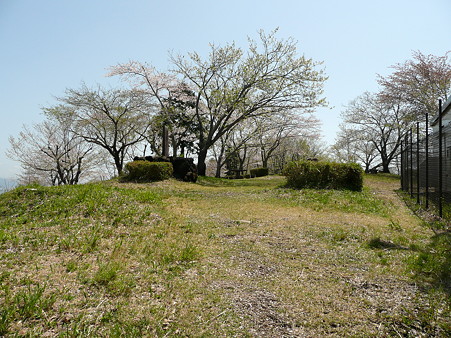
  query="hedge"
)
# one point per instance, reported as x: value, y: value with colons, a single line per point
x: 145, y: 171
x: 259, y: 172
x: 324, y: 175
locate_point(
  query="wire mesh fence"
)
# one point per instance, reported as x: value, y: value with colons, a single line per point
x: 426, y: 168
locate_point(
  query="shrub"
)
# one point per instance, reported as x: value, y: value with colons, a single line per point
x: 145, y: 171
x: 324, y: 175
x: 259, y: 172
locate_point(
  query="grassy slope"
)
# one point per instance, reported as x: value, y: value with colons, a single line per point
x: 216, y: 258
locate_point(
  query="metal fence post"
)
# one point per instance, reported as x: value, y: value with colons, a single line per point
x: 440, y: 159
x: 402, y: 166
x: 427, y: 161
x: 406, y: 157
x: 418, y: 162
x: 411, y: 163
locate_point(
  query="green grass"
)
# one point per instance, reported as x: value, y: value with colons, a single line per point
x: 219, y: 258
x: 29, y: 303
x: 334, y: 200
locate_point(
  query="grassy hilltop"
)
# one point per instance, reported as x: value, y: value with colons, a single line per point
x: 217, y: 258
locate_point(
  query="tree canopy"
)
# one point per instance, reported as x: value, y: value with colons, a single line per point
x: 232, y: 85
x: 419, y: 83
x: 52, y: 152
x: 113, y: 119
x: 375, y: 123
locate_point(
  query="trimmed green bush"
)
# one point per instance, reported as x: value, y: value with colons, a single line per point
x: 324, y: 175
x: 145, y: 171
x: 259, y: 172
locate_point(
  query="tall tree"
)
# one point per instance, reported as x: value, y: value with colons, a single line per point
x: 419, y: 82
x: 173, y: 100
x: 51, y: 152
x: 381, y: 122
x: 113, y: 119
x: 179, y: 120
x: 272, y: 130
x: 232, y: 148
x: 232, y: 85
x: 354, y: 145
x: 294, y: 149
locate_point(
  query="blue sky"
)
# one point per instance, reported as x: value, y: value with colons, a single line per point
x: 48, y: 46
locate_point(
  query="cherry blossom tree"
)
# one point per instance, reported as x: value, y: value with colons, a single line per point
x: 273, y: 129
x: 51, y: 153
x: 374, y: 124
x: 173, y: 101
x: 353, y: 145
x: 295, y: 149
x: 381, y: 122
x: 419, y: 82
x: 114, y: 119
x: 232, y: 148
x: 232, y: 85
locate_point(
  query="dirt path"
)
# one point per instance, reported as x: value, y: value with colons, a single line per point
x: 281, y: 263
x: 386, y: 190
x: 296, y: 272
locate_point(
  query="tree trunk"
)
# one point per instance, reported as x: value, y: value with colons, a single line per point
x: 201, y: 166
x: 219, y: 163
x: 118, y: 164
x: 78, y: 173
x: 174, y: 146
x: 182, y: 151
x: 242, y: 159
x: 385, y: 163
x: 218, y: 168
x: 263, y: 157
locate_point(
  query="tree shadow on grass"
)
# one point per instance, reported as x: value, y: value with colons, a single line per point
x: 432, y: 266
x: 377, y: 243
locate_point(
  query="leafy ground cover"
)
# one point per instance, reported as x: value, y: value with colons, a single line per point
x: 218, y: 258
